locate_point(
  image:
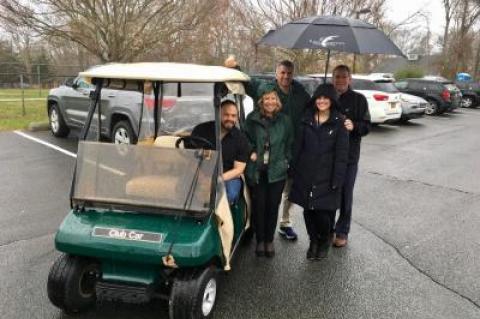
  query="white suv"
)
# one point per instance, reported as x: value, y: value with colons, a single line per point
x: 384, y: 106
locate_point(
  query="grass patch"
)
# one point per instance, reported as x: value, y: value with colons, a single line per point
x: 11, y: 117
x: 17, y: 93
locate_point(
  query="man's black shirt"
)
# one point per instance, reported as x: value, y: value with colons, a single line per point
x: 235, y: 146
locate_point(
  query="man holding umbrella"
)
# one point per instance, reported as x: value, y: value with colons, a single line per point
x: 355, y: 108
x: 294, y: 98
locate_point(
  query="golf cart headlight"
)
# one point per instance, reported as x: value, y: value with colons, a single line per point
x: 169, y: 261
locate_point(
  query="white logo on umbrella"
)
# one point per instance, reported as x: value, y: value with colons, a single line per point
x: 327, y: 41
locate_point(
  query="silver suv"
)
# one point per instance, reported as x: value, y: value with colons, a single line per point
x: 68, y: 107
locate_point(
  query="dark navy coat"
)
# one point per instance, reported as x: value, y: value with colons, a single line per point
x: 319, y: 162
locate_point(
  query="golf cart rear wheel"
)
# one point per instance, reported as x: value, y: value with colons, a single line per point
x: 71, y: 283
x: 193, y: 294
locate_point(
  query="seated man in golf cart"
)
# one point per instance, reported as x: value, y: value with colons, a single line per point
x: 235, y: 147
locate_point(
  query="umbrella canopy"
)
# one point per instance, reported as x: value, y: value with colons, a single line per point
x: 333, y: 33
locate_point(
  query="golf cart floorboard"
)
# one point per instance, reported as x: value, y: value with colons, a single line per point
x: 125, y: 293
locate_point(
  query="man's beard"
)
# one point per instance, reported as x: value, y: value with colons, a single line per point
x: 228, y: 128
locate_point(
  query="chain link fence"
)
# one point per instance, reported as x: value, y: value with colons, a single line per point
x: 17, y: 85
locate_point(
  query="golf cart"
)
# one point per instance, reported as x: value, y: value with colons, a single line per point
x: 150, y: 220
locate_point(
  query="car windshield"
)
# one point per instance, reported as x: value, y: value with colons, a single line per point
x: 143, y: 178
x: 386, y: 86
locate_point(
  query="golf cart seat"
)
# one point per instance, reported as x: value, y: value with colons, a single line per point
x: 167, y: 141
x: 152, y: 187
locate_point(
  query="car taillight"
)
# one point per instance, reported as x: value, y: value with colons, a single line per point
x: 380, y: 97
x: 445, y: 95
x: 167, y: 103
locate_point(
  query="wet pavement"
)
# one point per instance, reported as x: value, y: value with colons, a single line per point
x: 414, y: 249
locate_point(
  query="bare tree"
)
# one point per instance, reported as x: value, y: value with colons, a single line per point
x: 112, y: 30
x: 459, y: 47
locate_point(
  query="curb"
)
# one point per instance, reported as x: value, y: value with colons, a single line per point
x: 38, y: 126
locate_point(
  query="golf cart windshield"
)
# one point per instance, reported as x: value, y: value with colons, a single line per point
x: 143, y: 178
x: 157, y: 105
x: 157, y: 173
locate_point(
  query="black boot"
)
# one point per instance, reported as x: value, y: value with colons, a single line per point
x: 312, y: 250
x: 269, y: 250
x: 323, y: 249
x: 260, y: 250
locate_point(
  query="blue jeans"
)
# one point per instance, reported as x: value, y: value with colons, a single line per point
x: 233, y: 187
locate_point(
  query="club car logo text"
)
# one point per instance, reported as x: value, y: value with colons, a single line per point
x: 127, y: 234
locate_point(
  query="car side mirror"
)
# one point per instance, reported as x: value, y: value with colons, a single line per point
x: 74, y: 85
x: 69, y: 82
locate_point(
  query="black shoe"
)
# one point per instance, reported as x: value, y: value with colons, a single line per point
x: 269, y: 250
x: 312, y: 250
x: 260, y: 250
x: 323, y: 249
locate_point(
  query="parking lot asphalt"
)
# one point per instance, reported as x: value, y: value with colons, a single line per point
x: 414, y: 248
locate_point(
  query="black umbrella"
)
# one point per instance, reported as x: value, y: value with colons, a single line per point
x: 331, y: 33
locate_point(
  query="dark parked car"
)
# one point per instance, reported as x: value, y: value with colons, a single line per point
x: 470, y: 94
x: 308, y: 82
x: 441, y: 96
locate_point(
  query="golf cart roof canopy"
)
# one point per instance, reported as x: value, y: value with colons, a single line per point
x: 167, y: 72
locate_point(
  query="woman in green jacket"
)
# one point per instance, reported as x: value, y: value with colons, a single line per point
x: 270, y: 134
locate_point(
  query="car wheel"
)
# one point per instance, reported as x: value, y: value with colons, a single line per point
x: 467, y: 101
x: 56, y: 121
x: 193, y: 295
x: 432, y: 107
x: 122, y: 133
x: 71, y: 283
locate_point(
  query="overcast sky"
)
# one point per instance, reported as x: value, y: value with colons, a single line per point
x: 399, y: 10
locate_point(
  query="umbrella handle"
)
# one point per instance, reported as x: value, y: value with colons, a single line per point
x: 326, y: 66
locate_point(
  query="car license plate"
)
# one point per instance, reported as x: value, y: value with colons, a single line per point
x: 127, y: 234
x: 393, y: 105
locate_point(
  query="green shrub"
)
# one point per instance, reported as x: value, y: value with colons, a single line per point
x: 409, y: 73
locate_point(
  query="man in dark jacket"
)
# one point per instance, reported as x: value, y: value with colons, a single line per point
x: 355, y: 108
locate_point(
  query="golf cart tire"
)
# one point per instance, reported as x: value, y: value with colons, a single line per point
x: 62, y: 129
x: 64, y: 283
x: 187, y: 294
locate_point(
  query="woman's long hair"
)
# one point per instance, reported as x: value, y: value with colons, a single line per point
x: 279, y: 103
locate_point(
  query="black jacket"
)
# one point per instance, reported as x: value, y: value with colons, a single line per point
x: 355, y: 107
x: 319, y: 163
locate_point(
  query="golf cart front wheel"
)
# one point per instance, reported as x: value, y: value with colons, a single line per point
x: 71, y: 283
x: 193, y: 294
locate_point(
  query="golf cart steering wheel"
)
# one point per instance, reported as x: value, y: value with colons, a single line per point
x: 194, y: 141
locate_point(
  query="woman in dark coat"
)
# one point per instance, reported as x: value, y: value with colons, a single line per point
x: 270, y: 134
x: 318, y: 167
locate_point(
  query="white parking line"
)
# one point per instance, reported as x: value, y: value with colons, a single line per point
x: 61, y: 150
x: 55, y: 147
